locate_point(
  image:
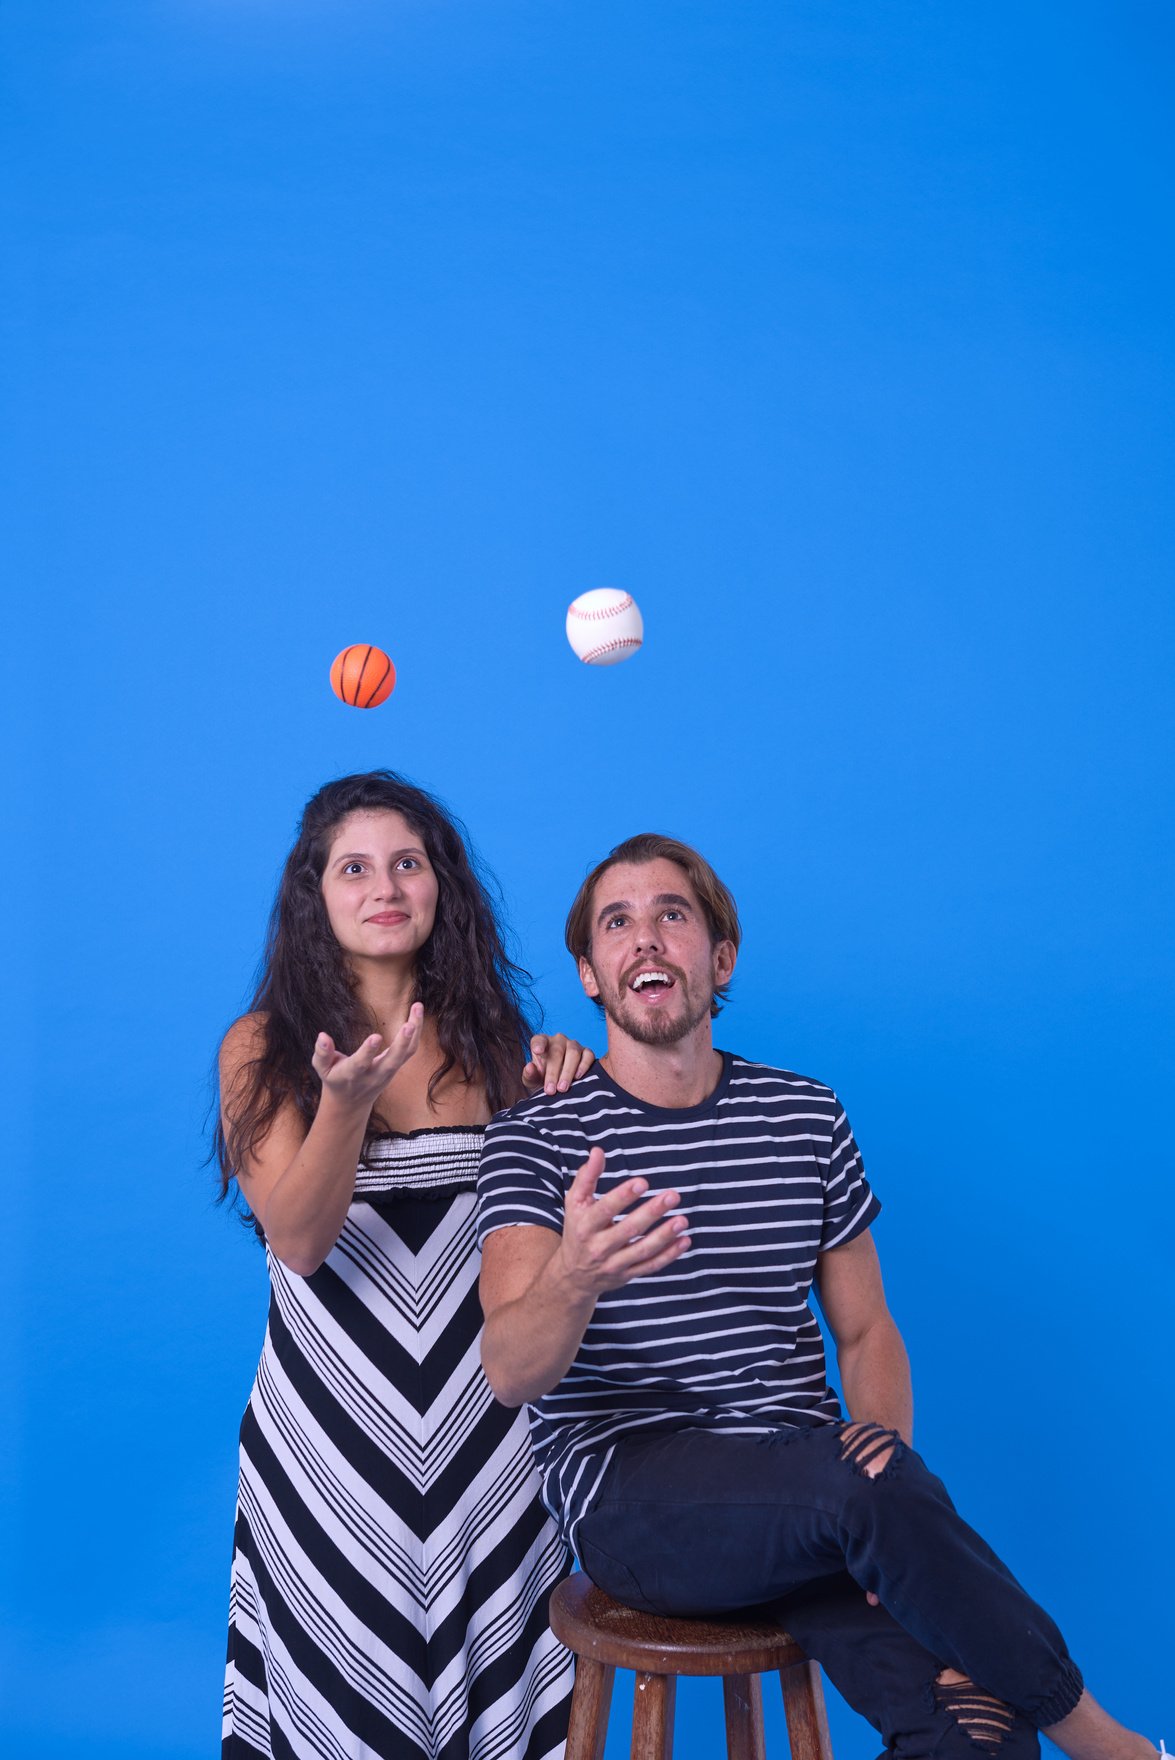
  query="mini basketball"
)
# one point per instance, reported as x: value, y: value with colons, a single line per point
x: 362, y: 676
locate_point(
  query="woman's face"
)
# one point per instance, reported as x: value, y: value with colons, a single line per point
x: 379, y: 887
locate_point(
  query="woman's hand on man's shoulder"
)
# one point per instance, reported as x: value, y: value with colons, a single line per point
x: 555, y: 1062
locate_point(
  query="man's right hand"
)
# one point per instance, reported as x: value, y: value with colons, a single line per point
x: 609, y: 1241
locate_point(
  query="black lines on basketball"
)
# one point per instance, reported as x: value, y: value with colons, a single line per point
x: 350, y: 671
x: 359, y: 681
x: 375, y: 690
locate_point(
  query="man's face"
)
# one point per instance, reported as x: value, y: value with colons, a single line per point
x: 652, y: 963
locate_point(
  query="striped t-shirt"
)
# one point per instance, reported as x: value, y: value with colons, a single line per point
x: 723, y: 1338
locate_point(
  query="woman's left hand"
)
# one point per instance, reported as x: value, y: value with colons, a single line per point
x: 555, y: 1062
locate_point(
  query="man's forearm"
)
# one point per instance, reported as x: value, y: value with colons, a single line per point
x: 529, y: 1344
x: 875, y: 1378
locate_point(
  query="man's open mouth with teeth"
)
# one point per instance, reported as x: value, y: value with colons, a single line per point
x: 651, y: 982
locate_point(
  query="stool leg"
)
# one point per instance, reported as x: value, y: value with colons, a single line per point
x: 803, y: 1705
x: 744, y: 1717
x: 590, y: 1703
x: 652, y: 1716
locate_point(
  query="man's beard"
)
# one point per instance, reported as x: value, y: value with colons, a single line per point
x: 656, y: 1026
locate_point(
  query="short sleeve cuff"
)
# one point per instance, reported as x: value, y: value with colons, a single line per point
x: 866, y: 1214
x: 495, y: 1225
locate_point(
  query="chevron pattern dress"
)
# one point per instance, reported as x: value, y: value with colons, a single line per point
x: 392, y: 1561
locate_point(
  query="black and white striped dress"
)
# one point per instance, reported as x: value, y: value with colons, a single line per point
x: 392, y: 1561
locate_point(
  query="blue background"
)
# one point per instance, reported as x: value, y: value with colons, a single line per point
x: 837, y: 333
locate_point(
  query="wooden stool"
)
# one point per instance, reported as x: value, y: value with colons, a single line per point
x: 606, y: 1636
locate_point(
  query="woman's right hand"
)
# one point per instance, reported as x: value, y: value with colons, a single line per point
x: 360, y: 1079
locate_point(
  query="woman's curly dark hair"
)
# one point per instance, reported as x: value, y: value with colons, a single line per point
x: 469, y: 987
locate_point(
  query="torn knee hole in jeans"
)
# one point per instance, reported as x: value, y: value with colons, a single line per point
x: 983, y: 1717
x: 869, y: 1448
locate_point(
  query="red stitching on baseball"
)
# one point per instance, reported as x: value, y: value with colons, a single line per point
x: 607, y: 647
x: 604, y: 610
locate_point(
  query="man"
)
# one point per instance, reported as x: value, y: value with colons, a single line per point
x: 649, y: 1243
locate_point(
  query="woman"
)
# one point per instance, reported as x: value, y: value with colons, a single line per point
x: 392, y: 1562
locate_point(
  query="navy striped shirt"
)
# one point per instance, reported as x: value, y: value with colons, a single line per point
x: 723, y: 1338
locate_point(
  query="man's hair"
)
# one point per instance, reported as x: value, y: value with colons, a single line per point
x: 650, y: 846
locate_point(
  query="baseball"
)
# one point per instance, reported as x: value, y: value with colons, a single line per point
x: 604, y: 626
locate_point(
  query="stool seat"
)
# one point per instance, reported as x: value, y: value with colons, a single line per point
x: 606, y: 1635
x: 591, y: 1624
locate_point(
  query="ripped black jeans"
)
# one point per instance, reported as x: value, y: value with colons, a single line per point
x: 696, y: 1523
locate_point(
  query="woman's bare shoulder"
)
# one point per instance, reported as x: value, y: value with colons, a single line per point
x: 244, y: 1041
